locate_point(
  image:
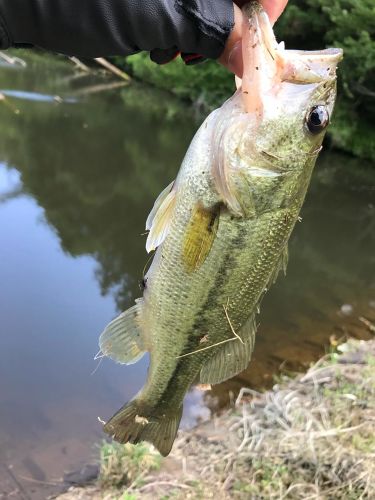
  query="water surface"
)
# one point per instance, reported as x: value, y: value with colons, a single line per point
x: 78, y: 176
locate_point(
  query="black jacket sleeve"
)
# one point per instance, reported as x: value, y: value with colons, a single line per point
x: 94, y: 28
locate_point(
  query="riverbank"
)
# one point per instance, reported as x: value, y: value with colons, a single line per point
x: 309, y: 437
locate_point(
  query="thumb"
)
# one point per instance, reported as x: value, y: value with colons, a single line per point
x: 231, y: 57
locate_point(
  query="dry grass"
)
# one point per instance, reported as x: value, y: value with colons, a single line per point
x: 311, y: 437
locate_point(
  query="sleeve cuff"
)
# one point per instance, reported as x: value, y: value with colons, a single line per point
x: 214, y: 20
x: 5, y: 42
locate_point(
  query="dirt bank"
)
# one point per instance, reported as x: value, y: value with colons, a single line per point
x: 309, y: 437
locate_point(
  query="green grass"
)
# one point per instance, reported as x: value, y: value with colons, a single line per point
x: 125, y: 465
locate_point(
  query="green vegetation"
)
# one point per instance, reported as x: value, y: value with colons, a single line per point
x: 349, y: 24
x: 126, y: 465
x: 306, y: 24
x: 207, y: 85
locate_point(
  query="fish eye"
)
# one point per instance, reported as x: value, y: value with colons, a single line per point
x: 317, y: 119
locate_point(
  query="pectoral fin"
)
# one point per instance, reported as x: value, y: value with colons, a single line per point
x: 200, y: 235
x: 232, y: 357
x: 158, y: 221
x: 122, y: 339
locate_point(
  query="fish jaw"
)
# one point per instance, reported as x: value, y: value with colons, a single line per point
x: 267, y: 64
x: 310, y: 66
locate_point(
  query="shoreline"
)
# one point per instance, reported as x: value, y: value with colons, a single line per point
x: 310, y: 436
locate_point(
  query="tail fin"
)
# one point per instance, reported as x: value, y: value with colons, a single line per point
x: 130, y: 425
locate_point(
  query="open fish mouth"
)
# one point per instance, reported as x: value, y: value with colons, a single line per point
x: 310, y: 66
x: 270, y: 64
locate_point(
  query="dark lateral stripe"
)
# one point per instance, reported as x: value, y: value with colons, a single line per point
x: 193, y: 342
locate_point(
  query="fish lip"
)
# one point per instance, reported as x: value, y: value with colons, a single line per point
x: 330, y: 54
x: 313, y: 66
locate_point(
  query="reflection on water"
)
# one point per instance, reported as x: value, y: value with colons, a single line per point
x: 36, y: 96
x: 76, y: 184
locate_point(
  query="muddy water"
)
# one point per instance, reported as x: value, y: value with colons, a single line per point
x: 78, y: 175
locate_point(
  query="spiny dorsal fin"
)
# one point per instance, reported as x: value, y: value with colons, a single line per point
x: 232, y: 357
x: 122, y: 338
x: 160, y: 216
x: 200, y: 235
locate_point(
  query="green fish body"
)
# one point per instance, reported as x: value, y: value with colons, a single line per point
x: 221, y: 232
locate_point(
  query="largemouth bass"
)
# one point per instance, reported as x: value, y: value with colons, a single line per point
x: 221, y: 230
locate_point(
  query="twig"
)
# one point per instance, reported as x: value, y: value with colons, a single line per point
x: 368, y: 323
x: 230, y: 324
x: 113, y: 69
x: 165, y: 483
x: 32, y: 480
x: 79, y: 64
x: 95, y: 89
x: 21, y: 489
x: 323, y: 434
x: 12, y: 60
x: 205, y: 348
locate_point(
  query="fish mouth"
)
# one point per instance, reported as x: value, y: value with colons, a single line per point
x: 334, y: 53
x: 313, y: 66
x: 267, y: 64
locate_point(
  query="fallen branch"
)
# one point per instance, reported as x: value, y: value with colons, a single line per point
x: 99, y: 88
x: 113, y: 69
x: 12, y: 60
x: 79, y: 64
x: 368, y: 323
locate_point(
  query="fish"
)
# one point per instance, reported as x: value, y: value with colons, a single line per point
x: 220, y: 232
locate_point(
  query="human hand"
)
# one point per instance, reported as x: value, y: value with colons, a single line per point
x: 231, y: 58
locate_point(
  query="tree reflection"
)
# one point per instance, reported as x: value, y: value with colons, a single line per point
x: 97, y: 166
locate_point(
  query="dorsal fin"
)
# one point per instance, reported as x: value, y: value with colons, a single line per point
x: 160, y: 216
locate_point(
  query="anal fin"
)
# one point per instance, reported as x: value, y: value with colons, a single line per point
x: 232, y: 357
x: 122, y: 338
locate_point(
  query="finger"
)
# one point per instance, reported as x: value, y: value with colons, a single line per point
x: 274, y: 8
x: 232, y: 55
